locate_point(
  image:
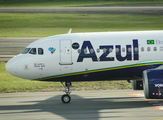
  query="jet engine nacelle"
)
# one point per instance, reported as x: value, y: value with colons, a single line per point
x: 153, y: 83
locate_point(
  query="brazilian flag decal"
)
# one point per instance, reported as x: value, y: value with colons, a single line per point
x: 150, y: 42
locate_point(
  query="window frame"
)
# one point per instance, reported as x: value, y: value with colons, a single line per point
x: 26, y: 51
x: 33, y: 53
x: 42, y: 52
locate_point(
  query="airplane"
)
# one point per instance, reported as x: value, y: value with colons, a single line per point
x: 135, y: 56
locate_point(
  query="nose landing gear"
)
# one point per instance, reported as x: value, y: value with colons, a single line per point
x: 66, y: 97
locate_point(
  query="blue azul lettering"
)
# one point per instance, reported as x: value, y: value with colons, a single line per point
x: 103, y: 57
x: 82, y: 55
x: 136, y: 49
x: 128, y: 53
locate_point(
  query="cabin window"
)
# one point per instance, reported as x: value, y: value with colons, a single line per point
x: 161, y: 48
x: 40, y: 51
x: 79, y: 50
x: 142, y: 49
x: 155, y: 48
x: 85, y: 50
x: 91, y: 50
x: 104, y: 50
x: 123, y: 49
x: 136, y: 49
x: 26, y: 50
x: 98, y: 50
x: 110, y: 49
x: 117, y: 49
x: 148, y: 48
x: 129, y: 49
x: 33, y: 51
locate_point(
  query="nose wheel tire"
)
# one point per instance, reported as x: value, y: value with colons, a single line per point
x: 66, y: 98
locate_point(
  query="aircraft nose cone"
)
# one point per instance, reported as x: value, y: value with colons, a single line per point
x: 11, y: 67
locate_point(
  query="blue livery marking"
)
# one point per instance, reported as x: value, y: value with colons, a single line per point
x: 103, y: 57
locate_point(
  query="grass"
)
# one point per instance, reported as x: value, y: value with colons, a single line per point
x: 42, y: 25
x: 67, y: 3
x: 9, y: 83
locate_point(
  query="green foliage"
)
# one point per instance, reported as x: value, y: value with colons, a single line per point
x: 41, y: 25
x: 9, y: 83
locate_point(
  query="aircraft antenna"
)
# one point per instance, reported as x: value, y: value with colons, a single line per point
x: 69, y: 32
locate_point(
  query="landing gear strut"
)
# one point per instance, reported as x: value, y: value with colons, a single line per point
x: 66, y: 97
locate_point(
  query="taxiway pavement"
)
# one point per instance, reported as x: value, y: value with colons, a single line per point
x: 150, y: 9
x: 15, y: 45
x: 11, y: 46
x: 85, y: 105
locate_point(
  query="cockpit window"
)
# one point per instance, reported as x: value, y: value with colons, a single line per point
x: 40, y: 51
x: 33, y: 51
x: 26, y: 50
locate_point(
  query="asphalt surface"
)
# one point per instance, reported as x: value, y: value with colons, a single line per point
x: 10, y: 46
x: 85, y: 105
x: 15, y: 45
x: 131, y: 10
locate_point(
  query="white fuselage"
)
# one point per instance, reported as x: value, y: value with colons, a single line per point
x: 90, y: 56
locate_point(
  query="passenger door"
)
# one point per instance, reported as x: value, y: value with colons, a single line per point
x: 65, y: 52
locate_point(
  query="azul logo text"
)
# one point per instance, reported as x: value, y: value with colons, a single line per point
x: 103, y: 57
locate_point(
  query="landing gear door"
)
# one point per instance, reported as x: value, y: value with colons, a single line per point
x: 65, y: 52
